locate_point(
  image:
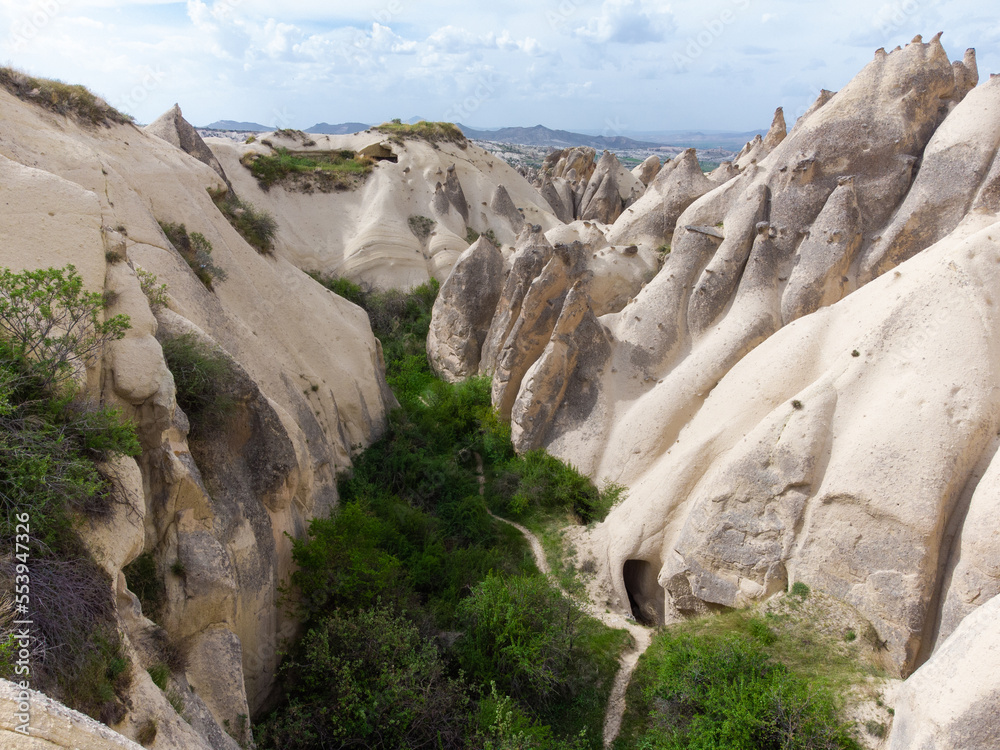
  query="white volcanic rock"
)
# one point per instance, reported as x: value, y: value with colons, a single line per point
x: 364, y: 233
x: 953, y: 701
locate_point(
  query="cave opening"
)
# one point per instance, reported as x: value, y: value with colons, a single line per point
x: 645, y: 595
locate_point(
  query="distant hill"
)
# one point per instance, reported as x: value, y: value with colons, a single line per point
x: 702, y: 139
x: 254, y: 127
x: 540, y: 135
x: 344, y: 128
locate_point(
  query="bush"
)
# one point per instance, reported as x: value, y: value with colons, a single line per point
x: 367, y: 679
x: 155, y: 293
x: 537, y: 482
x: 255, y: 225
x: 427, y: 131
x: 202, y: 375
x: 712, y: 692
x: 197, y: 253
x: 143, y: 580
x: 51, y: 325
x: 421, y: 226
x: 66, y: 99
x: 328, y: 169
x: 520, y: 634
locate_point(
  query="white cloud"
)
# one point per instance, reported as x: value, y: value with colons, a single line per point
x: 628, y: 22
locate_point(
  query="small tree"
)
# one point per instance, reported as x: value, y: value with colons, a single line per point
x: 51, y: 323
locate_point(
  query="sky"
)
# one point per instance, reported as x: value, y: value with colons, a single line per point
x: 614, y: 67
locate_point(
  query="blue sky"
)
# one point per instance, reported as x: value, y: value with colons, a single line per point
x: 611, y: 66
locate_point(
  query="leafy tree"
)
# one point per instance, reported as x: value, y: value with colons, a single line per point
x: 49, y: 322
x: 368, y: 679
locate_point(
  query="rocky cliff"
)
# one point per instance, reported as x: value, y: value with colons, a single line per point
x: 807, y: 388
x: 306, y: 383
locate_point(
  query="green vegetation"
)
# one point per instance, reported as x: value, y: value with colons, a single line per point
x: 51, y: 444
x: 708, y: 166
x: 66, y: 99
x: 202, y: 375
x: 155, y: 293
x: 196, y: 251
x: 799, y: 589
x: 145, y: 582
x: 421, y: 226
x: 411, y: 556
x: 328, y: 170
x: 773, y: 678
x: 427, y: 131
x: 254, y: 224
x: 471, y: 235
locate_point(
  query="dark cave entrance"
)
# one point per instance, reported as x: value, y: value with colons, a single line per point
x: 645, y: 595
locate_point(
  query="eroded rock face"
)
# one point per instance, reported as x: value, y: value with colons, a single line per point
x: 953, y: 700
x: 218, y: 502
x: 174, y: 129
x: 806, y: 389
x: 464, y: 310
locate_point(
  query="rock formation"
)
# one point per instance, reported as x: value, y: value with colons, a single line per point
x: 364, y: 233
x: 174, y: 129
x: 463, y: 311
x: 802, y: 393
x: 218, y: 507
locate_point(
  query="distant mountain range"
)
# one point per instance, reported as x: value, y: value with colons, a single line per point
x: 344, y: 128
x: 540, y: 135
x: 249, y: 127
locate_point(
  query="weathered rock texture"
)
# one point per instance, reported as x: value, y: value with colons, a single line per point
x: 953, y: 701
x: 307, y: 383
x: 365, y: 233
x: 52, y: 725
x: 174, y: 129
x: 807, y: 390
x: 463, y: 311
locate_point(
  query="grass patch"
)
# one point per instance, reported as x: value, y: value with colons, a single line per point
x: 426, y: 131
x: 774, y: 676
x: 67, y: 99
x: 306, y: 170
x: 197, y: 253
x: 255, y: 225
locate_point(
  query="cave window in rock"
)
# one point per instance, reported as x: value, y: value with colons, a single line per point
x: 645, y: 595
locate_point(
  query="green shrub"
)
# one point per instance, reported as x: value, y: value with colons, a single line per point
x: 51, y: 325
x: 427, y: 131
x: 329, y: 169
x: 800, y: 590
x: 254, y: 224
x: 471, y: 235
x: 143, y: 580
x: 421, y: 226
x: 201, y: 376
x: 155, y: 293
x: 66, y: 99
x: 537, y: 482
x: 367, y: 679
x: 197, y: 253
x: 714, y: 692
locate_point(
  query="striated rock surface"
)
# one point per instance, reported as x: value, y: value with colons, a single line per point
x: 806, y: 391
x: 953, y: 701
x: 219, y: 502
x: 463, y: 311
x: 174, y: 129
x: 365, y: 233
x: 647, y: 171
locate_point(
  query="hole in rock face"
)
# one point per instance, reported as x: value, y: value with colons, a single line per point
x: 645, y: 595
